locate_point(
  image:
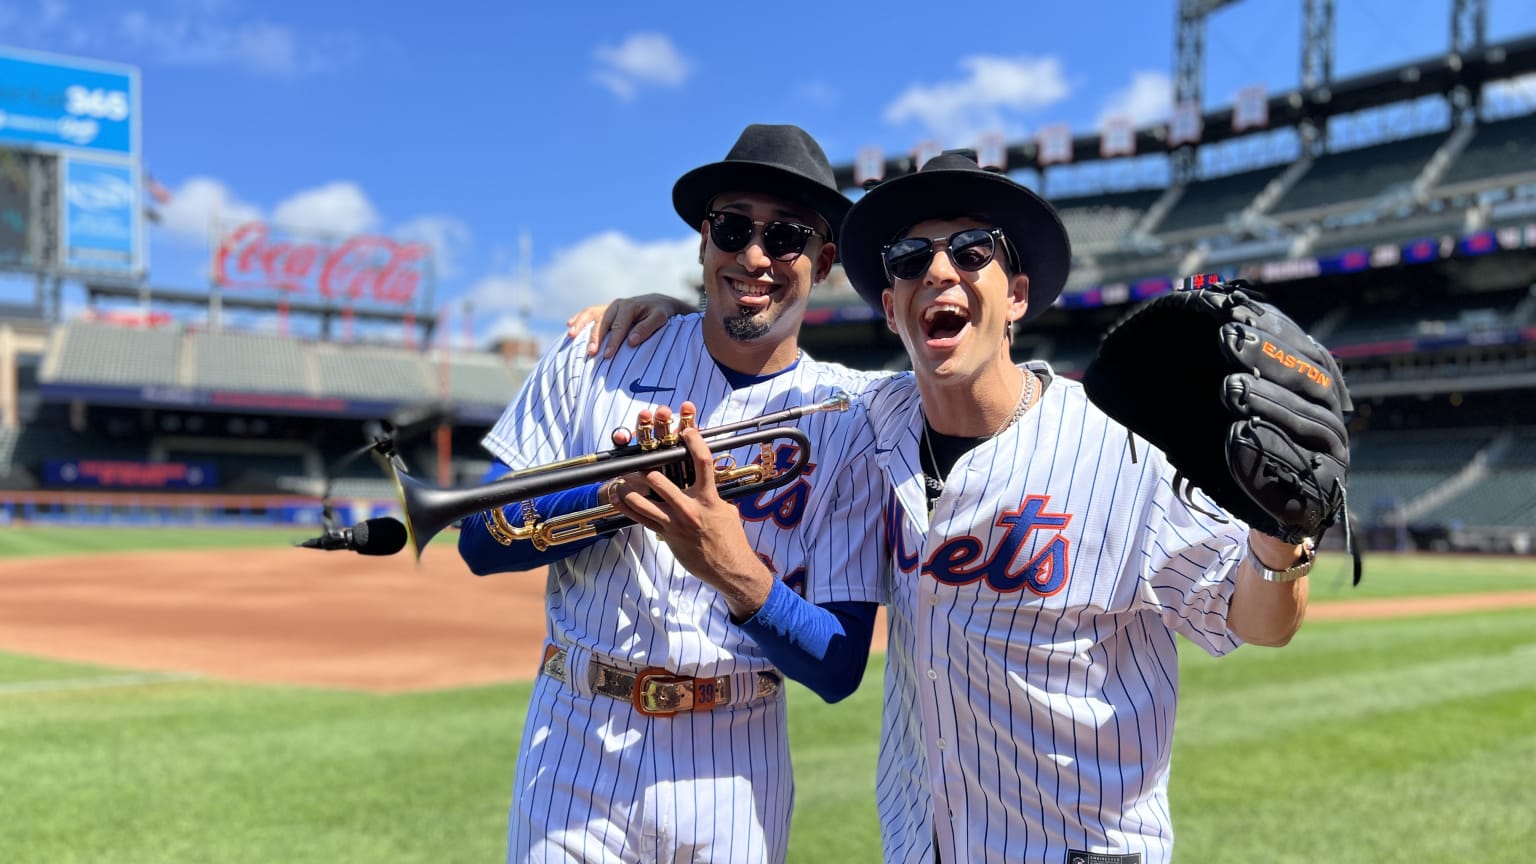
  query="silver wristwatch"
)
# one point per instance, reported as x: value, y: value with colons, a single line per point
x: 1292, y: 573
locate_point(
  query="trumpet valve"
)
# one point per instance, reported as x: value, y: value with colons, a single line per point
x: 645, y: 432
x: 530, y: 515
x: 687, y: 418
x: 665, y: 434
x: 766, y: 460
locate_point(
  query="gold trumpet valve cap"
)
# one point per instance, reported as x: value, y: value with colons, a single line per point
x: 687, y: 418
x: 645, y: 433
x: 664, y: 431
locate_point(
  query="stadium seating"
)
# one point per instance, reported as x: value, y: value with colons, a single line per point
x: 369, y: 373
x: 1498, y: 150
x: 480, y: 379
x: 1102, y: 221
x: 248, y: 362
x: 1389, y: 468
x: 1422, y: 317
x: 91, y: 353
x: 1503, y: 499
x: 1207, y: 203
x: 8, y: 436
x: 37, y: 443
x: 1353, y: 177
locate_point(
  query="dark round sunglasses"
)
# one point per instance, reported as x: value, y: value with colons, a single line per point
x: 969, y: 250
x: 783, y: 241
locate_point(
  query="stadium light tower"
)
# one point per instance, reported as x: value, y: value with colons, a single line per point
x: 1316, y: 69
x: 1469, y: 27
x: 1189, y: 74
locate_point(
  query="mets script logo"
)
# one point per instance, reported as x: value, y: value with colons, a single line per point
x: 963, y: 560
x: 786, y: 504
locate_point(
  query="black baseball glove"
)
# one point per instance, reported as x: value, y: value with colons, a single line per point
x: 1245, y: 405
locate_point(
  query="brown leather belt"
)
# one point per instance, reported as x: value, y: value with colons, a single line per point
x: 656, y: 692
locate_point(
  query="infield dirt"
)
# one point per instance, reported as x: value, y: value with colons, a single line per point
x: 290, y: 616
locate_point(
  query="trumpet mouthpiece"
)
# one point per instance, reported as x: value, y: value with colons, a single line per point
x: 840, y: 401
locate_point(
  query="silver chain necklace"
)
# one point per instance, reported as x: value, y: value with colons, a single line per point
x: 935, y: 485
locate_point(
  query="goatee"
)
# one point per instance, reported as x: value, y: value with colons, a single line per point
x: 747, y: 326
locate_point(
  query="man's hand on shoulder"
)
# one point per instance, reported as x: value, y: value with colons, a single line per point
x: 638, y: 318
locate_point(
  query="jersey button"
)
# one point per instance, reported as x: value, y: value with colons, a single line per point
x: 932, y: 675
x: 941, y: 744
x: 933, y: 599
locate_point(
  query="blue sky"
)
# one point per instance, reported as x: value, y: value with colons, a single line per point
x: 470, y: 125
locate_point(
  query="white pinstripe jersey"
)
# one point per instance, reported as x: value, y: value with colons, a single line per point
x: 625, y: 596
x: 1031, y: 676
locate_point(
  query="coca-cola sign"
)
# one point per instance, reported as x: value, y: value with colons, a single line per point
x: 361, y: 270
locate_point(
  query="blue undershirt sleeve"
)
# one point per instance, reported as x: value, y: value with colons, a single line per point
x: 484, y: 553
x: 824, y: 647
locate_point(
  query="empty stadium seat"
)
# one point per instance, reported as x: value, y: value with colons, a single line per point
x: 106, y: 354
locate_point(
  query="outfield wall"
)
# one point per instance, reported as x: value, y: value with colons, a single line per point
x: 180, y: 509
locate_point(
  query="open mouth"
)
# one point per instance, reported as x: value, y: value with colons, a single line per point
x: 943, y: 322
x: 751, y: 296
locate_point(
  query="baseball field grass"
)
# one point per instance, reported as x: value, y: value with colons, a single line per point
x: 1363, y: 741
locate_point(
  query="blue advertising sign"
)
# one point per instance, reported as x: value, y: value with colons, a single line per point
x: 101, y: 218
x: 118, y: 474
x: 63, y: 103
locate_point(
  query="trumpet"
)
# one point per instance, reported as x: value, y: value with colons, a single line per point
x: 428, y: 509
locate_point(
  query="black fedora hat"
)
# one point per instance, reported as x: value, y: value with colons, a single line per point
x: 952, y: 186
x: 783, y: 161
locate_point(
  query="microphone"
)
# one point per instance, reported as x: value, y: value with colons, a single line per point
x: 384, y: 536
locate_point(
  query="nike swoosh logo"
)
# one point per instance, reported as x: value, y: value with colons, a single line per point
x: 884, y: 449
x: 637, y: 388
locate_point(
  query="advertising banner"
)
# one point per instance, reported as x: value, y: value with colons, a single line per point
x: 111, y: 474
x: 353, y: 272
x: 101, y: 225
x: 64, y: 103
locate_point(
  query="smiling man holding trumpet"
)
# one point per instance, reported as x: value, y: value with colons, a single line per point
x: 656, y: 729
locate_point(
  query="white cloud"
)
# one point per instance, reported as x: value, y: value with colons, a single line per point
x: 1146, y: 100
x: 449, y: 238
x: 992, y: 96
x: 641, y: 59
x: 599, y: 269
x: 201, y: 204
x: 191, y: 34
x: 338, y: 207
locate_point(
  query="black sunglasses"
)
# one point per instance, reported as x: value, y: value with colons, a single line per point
x: 783, y: 241
x: 969, y: 250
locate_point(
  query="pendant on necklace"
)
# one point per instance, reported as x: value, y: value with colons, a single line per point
x: 934, y: 485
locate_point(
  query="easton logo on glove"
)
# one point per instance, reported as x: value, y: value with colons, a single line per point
x: 1291, y: 361
x: 1244, y: 404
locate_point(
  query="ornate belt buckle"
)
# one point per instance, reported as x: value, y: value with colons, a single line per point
x: 657, y: 693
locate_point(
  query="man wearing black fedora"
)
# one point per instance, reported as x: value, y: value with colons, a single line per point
x: 1040, y: 570
x: 656, y: 729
